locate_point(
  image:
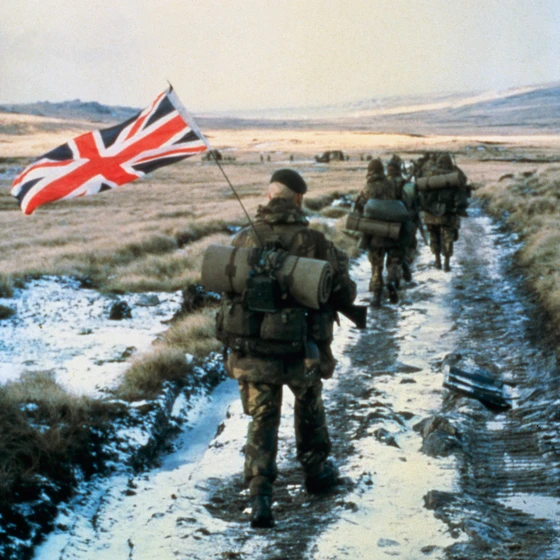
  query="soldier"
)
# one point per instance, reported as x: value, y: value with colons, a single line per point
x: 300, y: 361
x: 443, y: 208
x: 394, y: 171
x: 379, y: 187
x: 395, y: 175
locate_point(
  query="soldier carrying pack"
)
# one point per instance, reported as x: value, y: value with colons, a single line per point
x: 282, y: 285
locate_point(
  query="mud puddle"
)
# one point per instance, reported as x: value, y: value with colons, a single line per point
x: 396, y: 501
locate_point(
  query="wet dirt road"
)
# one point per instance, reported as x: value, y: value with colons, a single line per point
x: 494, y: 496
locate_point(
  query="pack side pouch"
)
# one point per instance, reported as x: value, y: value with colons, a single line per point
x: 238, y: 321
x: 407, y: 234
x: 320, y: 326
x: 288, y: 324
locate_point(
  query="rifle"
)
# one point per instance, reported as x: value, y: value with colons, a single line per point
x: 356, y: 313
x: 420, y: 225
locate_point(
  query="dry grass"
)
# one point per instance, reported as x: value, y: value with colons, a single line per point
x: 530, y: 204
x: 146, y: 375
x: 6, y: 312
x: 192, y: 334
x: 342, y: 238
x: 151, y: 235
x: 46, y: 433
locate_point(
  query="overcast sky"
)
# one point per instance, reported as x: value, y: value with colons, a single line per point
x: 236, y: 54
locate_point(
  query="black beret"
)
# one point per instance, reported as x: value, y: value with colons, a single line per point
x: 292, y: 179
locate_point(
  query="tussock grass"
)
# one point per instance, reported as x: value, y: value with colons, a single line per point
x: 6, y: 286
x: 146, y: 376
x: 192, y: 334
x: 6, y: 312
x: 530, y: 204
x: 316, y: 203
x: 166, y: 272
x: 46, y: 432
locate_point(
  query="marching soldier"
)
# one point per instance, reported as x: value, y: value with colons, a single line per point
x: 395, y: 175
x: 442, y: 206
x: 295, y: 352
x: 379, y: 187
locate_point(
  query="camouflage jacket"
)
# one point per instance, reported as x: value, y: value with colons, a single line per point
x: 254, y: 359
x: 281, y: 221
x: 380, y: 187
x: 444, y: 206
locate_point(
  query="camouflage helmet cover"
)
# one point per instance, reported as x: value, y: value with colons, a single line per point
x: 375, y: 166
x: 395, y: 163
x: 444, y: 160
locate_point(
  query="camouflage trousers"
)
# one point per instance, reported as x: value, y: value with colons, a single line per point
x: 376, y: 256
x: 442, y: 239
x: 261, y: 382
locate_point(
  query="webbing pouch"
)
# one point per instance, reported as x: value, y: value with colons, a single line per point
x: 236, y: 320
x: 289, y: 324
x: 321, y: 326
x: 262, y: 294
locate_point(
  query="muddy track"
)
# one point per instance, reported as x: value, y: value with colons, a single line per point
x: 493, y: 493
x: 510, y: 465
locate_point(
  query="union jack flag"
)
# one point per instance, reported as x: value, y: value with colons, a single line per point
x: 97, y: 161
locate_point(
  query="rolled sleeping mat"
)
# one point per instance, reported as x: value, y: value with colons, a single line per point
x: 447, y: 181
x: 226, y: 269
x: 386, y: 210
x: 357, y: 222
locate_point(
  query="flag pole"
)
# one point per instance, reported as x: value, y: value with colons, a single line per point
x: 189, y: 119
x: 212, y: 152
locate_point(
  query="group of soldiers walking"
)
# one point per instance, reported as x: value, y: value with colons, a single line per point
x: 434, y: 192
x: 275, y: 336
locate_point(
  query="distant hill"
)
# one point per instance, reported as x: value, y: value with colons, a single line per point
x: 536, y: 111
x: 528, y: 110
x: 73, y: 110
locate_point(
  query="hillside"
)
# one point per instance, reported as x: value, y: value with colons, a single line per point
x: 530, y: 110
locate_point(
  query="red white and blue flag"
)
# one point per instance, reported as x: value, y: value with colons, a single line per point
x: 161, y: 134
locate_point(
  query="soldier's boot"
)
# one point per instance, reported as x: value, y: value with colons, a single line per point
x: 407, y: 274
x: 322, y: 478
x: 438, y: 261
x: 393, y: 295
x: 261, y: 512
x: 446, y: 264
x: 260, y: 489
x: 376, y: 302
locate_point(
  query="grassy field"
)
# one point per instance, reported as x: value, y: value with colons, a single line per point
x: 151, y: 235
